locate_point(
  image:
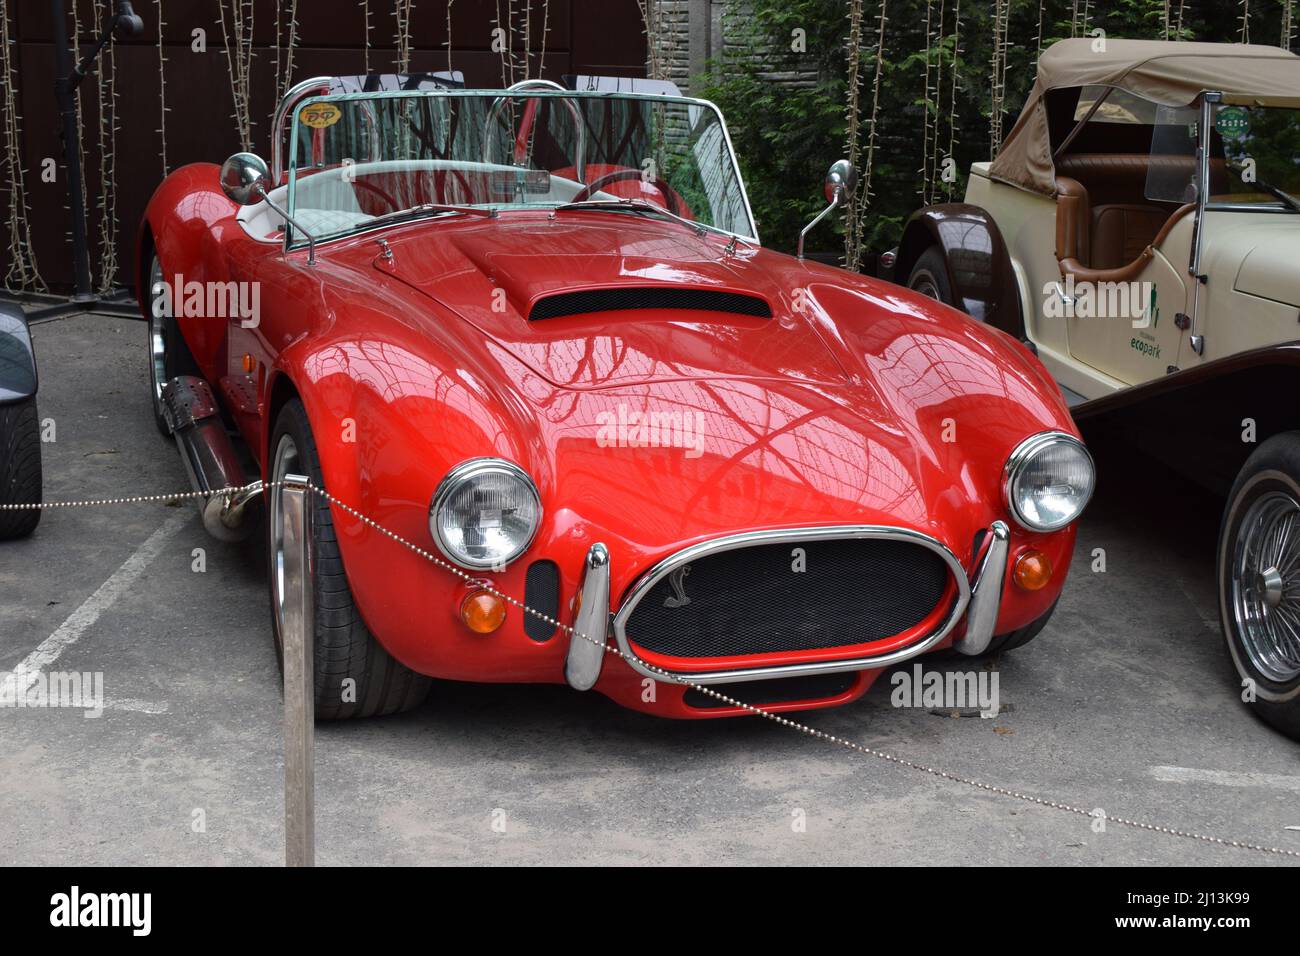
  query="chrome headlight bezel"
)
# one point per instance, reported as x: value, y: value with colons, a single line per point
x: 1021, y: 457
x: 453, y: 481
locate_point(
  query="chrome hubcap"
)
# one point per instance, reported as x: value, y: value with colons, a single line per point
x: 285, y: 462
x: 1266, y: 586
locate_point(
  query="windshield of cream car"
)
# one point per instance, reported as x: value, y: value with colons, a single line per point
x: 362, y: 161
x: 1260, y: 147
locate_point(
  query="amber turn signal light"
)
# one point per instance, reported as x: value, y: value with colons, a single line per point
x: 482, y: 611
x: 1033, y: 570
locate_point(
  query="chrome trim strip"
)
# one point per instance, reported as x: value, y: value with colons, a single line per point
x: 865, y: 532
x: 986, y: 592
x: 287, y: 103
x: 584, y: 659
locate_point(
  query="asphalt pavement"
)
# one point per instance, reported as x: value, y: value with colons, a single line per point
x: 1124, y: 703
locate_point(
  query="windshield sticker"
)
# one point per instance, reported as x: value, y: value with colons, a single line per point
x: 320, y: 115
x: 1233, y: 122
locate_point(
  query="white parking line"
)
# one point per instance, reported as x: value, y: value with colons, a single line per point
x: 77, y: 623
x: 1226, y: 778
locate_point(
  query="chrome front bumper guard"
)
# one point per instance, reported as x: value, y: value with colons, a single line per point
x: 979, y: 598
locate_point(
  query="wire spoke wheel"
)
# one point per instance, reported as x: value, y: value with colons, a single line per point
x: 1266, y: 586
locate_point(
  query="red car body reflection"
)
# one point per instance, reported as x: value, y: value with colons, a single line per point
x: 856, y: 403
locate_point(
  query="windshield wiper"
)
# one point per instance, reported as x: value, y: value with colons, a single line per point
x: 427, y: 209
x: 1275, y: 191
x: 642, y: 206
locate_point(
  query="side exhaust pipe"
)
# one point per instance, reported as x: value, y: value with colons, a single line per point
x: 209, y: 457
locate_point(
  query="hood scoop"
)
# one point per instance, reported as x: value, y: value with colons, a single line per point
x: 623, y: 298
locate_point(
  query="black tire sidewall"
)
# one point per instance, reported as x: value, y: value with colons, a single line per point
x: 20, y: 467
x: 932, y: 266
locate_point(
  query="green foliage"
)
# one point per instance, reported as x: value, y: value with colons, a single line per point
x: 786, y: 134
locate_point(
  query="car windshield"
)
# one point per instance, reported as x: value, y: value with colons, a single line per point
x: 361, y: 161
x: 1260, y: 148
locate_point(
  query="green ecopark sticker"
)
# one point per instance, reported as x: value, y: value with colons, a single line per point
x: 1232, y: 122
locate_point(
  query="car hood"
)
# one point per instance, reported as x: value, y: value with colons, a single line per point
x: 1261, y: 252
x: 493, y: 274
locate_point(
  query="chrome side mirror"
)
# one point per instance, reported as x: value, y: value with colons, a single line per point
x: 841, y: 178
x: 245, y: 178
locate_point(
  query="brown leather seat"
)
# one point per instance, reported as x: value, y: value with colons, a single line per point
x: 1122, y: 221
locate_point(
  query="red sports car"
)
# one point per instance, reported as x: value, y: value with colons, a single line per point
x: 535, y: 330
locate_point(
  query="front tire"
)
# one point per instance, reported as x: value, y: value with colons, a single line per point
x: 344, y: 649
x: 20, y: 468
x: 1259, y: 581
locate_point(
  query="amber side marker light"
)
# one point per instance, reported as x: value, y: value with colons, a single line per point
x: 482, y: 611
x: 1032, y: 571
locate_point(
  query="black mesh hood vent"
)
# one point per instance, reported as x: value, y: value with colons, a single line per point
x: 648, y: 297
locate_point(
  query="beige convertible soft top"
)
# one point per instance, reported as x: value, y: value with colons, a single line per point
x: 1170, y: 73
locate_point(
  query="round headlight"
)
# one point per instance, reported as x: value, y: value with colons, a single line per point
x: 485, y: 513
x: 1049, y: 480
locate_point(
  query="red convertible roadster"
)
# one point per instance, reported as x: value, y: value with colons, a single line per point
x: 534, y: 328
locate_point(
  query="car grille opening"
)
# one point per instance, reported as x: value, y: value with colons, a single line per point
x: 780, y: 690
x: 542, y: 593
x: 648, y: 297
x: 756, y: 600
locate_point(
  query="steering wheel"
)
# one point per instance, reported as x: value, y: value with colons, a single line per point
x: 619, y: 175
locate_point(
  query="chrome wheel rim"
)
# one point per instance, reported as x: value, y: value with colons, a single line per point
x: 1266, y: 586
x: 157, y: 336
x: 285, y: 462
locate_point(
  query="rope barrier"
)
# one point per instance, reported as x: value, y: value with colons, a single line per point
x: 675, y: 679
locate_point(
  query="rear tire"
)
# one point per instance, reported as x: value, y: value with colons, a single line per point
x: 20, y: 468
x: 1258, y: 571
x: 930, y: 277
x: 169, y: 356
x: 344, y: 648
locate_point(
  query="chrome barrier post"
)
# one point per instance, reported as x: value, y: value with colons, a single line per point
x: 297, y: 633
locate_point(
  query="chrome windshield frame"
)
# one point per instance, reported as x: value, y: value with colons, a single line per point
x: 302, y: 95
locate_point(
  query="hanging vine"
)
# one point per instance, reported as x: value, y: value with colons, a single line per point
x: 22, y: 273
x: 365, y: 33
x: 927, y: 113
x: 162, y: 86
x: 860, y: 201
x: 956, y: 86
x: 239, y: 63
x: 106, y: 136
x: 1245, y: 21
x: 284, y: 78
x: 998, y: 78
x: 403, y: 13
x: 450, y: 72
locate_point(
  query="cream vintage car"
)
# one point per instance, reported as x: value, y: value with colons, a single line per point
x: 1139, y: 231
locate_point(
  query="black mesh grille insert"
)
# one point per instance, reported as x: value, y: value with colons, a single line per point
x: 542, y: 592
x: 781, y: 690
x: 649, y: 297
x: 752, y: 600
